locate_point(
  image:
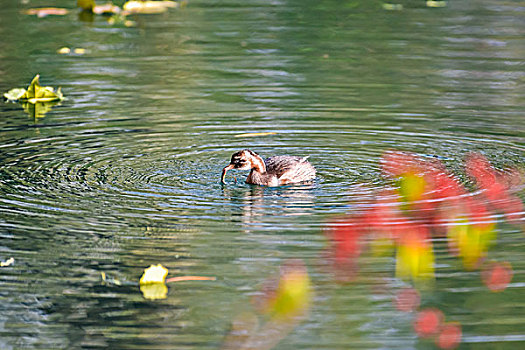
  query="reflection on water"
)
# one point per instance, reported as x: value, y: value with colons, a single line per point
x: 38, y: 110
x: 422, y: 247
x: 256, y: 202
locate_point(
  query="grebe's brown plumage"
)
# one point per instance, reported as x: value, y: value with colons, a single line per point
x: 273, y: 171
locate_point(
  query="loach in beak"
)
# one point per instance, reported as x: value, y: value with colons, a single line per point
x: 224, y: 171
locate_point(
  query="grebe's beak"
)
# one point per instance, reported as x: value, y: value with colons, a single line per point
x: 224, y: 171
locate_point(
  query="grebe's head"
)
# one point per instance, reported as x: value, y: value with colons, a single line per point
x: 242, y: 160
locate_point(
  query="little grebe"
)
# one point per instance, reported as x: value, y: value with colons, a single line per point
x: 273, y: 171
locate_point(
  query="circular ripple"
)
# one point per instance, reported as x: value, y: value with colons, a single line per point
x: 145, y: 175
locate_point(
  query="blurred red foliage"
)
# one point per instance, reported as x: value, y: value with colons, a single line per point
x: 428, y: 322
x: 449, y: 336
x: 428, y: 201
x: 407, y: 299
x: 497, y: 276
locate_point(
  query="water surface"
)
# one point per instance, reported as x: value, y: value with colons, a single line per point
x: 125, y: 172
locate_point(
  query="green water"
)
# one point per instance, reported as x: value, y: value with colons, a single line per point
x: 125, y: 172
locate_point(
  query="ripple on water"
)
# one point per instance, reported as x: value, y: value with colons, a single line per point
x: 98, y: 172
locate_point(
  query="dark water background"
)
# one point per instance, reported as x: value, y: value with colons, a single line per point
x: 124, y: 173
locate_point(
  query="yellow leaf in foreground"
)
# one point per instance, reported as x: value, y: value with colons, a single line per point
x: 411, y: 187
x: 253, y: 134
x: 8, y: 262
x: 154, y: 274
x: 293, y: 293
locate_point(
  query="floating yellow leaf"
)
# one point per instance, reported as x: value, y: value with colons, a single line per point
x: 154, y: 274
x: 152, y: 282
x: 8, y: 262
x: 36, y: 93
x: 79, y: 51
x: 253, y: 134
x: 15, y: 94
x: 64, y: 50
x: 148, y: 7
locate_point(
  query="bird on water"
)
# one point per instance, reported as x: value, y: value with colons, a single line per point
x: 272, y: 171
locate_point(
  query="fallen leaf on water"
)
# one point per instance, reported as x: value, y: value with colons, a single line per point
x: 154, y: 274
x: 253, y: 134
x: 8, y: 262
x: 153, y: 282
x: 148, y: 7
x: 15, y: 94
x: 35, y: 93
x: 46, y: 11
x: 79, y: 51
x: 64, y: 50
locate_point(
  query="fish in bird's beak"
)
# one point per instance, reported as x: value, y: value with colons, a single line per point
x: 225, y: 170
